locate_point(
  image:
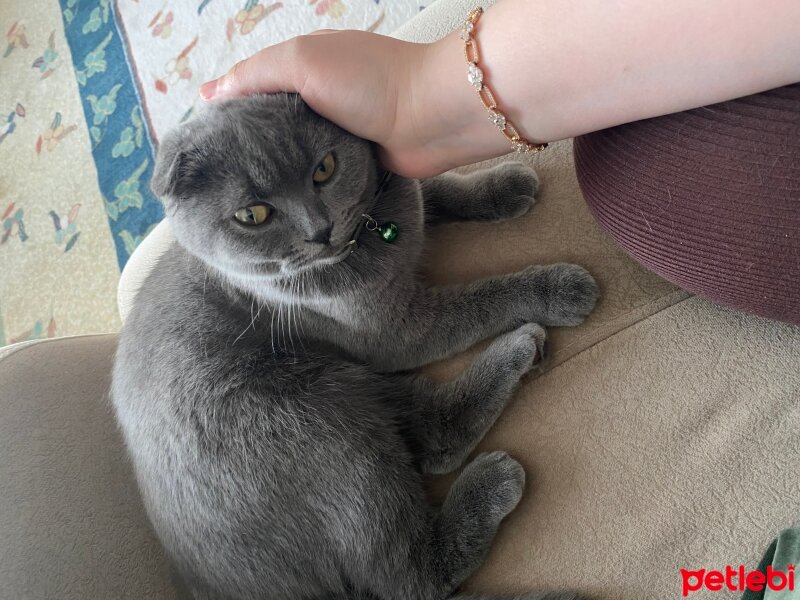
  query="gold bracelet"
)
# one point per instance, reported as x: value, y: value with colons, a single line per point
x: 475, y: 77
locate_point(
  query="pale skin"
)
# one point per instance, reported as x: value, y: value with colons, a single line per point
x: 558, y: 69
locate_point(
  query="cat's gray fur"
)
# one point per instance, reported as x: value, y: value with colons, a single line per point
x: 278, y: 438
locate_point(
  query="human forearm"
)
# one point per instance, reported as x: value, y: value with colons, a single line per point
x: 560, y: 69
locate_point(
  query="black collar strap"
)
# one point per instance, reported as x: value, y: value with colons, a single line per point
x: 388, y: 231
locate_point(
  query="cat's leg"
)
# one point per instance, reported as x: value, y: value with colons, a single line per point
x: 448, y: 420
x: 502, y: 192
x: 486, y: 491
x: 422, y: 325
x: 427, y: 553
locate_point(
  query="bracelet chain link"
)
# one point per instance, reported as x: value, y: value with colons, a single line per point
x: 475, y: 78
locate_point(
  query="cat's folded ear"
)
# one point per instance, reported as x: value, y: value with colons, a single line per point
x: 179, y: 165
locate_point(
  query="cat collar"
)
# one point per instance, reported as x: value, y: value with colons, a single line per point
x: 388, y: 230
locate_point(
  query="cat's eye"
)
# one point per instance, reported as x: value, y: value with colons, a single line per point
x: 324, y: 169
x: 253, y: 215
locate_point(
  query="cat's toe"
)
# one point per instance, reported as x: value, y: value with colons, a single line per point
x: 518, y: 206
x: 526, y: 346
x: 515, y: 186
x: 577, y: 295
x: 571, y: 294
x: 517, y: 178
x: 499, y: 479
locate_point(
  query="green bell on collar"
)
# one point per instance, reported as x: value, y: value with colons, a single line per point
x: 388, y: 232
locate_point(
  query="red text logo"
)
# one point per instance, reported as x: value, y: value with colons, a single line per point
x: 737, y: 580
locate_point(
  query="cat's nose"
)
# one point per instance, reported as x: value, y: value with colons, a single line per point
x: 323, y: 236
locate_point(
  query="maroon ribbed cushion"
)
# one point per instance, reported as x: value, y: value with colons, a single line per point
x: 708, y: 199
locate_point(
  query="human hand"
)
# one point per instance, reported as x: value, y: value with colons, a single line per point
x: 377, y: 87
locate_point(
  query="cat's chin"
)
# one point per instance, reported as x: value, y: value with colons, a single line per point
x: 341, y: 256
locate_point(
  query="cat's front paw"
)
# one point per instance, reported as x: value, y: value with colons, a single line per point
x: 514, y: 186
x: 567, y: 293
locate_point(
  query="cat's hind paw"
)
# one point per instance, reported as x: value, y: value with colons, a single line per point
x: 497, y: 479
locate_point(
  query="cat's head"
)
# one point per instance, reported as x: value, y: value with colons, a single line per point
x: 263, y: 186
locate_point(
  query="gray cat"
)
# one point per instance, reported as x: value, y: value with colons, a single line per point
x: 263, y: 378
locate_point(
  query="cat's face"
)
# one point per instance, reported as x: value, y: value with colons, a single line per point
x: 263, y: 187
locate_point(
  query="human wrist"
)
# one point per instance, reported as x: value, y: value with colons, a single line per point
x: 440, y: 122
x: 464, y: 130
x: 471, y: 132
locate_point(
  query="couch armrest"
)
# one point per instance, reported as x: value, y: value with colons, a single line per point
x: 72, y: 524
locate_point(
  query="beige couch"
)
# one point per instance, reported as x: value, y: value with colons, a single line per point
x: 665, y: 433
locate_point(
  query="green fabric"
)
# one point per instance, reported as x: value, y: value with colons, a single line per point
x: 782, y: 552
x: 762, y: 567
x: 787, y: 552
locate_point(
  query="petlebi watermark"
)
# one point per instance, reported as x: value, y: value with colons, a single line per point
x: 737, y: 579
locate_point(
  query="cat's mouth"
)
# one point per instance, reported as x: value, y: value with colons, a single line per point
x: 343, y: 254
x: 348, y: 248
x: 338, y: 256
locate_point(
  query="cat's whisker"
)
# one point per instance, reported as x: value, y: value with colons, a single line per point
x: 272, y: 328
x: 295, y: 317
x: 292, y: 309
x: 281, y: 323
x: 303, y: 293
x: 300, y: 318
x: 252, y: 321
x: 288, y: 326
x: 205, y: 280
x: 258, y: 313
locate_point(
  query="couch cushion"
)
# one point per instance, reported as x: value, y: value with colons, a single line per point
x: 672, y: 444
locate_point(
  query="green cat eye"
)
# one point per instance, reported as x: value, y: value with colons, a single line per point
x: 253, y: 215
x: 324, y: 169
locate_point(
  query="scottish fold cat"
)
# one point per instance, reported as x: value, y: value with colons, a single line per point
x: 264, y: 380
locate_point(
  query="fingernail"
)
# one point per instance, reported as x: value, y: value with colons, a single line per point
x: 208, y: 90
